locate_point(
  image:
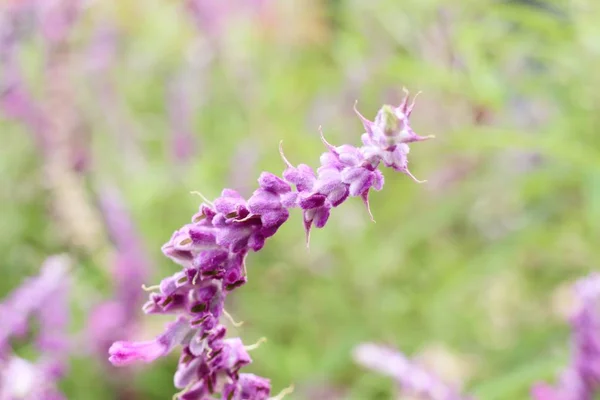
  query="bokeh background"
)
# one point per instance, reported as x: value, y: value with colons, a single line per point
x: 467, y: 273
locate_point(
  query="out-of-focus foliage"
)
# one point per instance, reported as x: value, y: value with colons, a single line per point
x: 472, y: 261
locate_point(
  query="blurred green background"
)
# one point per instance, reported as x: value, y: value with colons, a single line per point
x: 466, y: 272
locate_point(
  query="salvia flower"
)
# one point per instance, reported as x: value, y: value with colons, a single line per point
x: 581, y: 379
x: 123, y: 353
x: 212, y: 252
x: 410, y: 377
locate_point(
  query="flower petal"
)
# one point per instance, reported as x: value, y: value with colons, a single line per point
x: 125, y: 353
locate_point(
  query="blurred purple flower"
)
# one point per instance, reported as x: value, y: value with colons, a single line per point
x: 102, y: 51
x: 581, y: 379
x: 16, y: 101
x: 213, y: 16
x: 53, y: 317
x: 32, y: 297
x: 57, y: 17
x: 180, y: 110
x: 209, y: 14
x: 412, y: 379
x: 124, y: 235
x: 105, y: 323
x: 53, y: 18
x: 21, y: 379
x: 115, y: 318
x: 44, y: 296
x: 100, y: 59
x: 212, y: 251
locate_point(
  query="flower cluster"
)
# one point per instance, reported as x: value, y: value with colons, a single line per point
x: 412, y: 379
x: 581, y: 379
x: 212, y: 250
x: 45, y: 297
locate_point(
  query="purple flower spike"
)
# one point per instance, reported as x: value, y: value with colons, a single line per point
x: 412, y: 379
x: 212, y: 250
